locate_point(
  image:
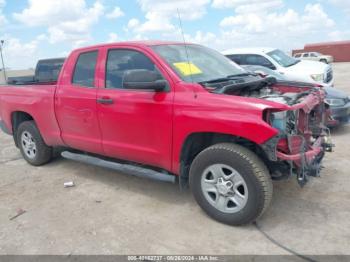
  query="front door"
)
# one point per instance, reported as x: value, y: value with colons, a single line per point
x: 136, y: 125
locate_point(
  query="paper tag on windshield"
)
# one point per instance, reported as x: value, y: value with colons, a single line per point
x: 187, y: 68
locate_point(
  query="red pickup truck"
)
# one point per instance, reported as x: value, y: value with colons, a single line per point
x: 170, y: 110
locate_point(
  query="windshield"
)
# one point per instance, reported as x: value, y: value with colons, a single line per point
x: 195, y: 63
x: 282, y: 58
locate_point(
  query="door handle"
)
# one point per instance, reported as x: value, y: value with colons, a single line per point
x: 105, y: 101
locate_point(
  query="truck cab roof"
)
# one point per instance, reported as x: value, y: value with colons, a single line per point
x: 137, y: 43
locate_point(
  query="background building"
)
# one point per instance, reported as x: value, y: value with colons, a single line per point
x: 13, y: 73
x: 339, y: 50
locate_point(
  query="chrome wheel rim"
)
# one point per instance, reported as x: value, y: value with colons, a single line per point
x: 28, y: 145
x: 224, y: 188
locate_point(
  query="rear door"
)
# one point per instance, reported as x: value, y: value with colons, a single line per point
x: 136, y: 125
x: 76, y: 110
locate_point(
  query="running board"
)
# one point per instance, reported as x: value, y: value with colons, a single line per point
x: 125, y: 168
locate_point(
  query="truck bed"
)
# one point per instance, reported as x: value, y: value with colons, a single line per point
x: 34, y: 100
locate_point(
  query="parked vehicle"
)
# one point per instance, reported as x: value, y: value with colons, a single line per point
x: 338, y: 101
x: 315, y: 56
x: 46, y: 70
x: 204, y: 121
x: 275, y: 59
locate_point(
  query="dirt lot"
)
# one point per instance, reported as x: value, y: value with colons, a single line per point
x: 110, y: 213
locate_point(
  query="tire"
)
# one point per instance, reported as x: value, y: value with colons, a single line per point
x: 252, y: 186
x: 32, y: 146
x: 324, y: 61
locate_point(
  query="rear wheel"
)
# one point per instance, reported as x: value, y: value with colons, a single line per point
x: 32, y: 146
x: 231, y: 184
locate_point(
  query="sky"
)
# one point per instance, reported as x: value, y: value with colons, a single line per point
x: 36, y: 29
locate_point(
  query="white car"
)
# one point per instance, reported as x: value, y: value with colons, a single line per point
x: 315, y: 56
x: 275, y: 59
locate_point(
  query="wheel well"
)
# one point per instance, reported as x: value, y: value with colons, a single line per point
x: 16, y: 119
x: 197, y: 142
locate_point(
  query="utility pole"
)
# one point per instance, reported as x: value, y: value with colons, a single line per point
x: 2, y: 59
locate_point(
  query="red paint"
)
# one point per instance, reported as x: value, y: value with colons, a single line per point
x: 141, y: 126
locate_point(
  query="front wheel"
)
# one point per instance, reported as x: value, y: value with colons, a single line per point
x: 32, y: 146
x: 231, y: 184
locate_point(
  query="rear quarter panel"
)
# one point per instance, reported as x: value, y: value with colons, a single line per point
x: 35, y: 100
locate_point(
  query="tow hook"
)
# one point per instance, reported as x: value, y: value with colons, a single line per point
x: 327, y: 144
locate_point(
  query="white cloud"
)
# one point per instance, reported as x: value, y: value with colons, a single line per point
x: 21, y: 55
x: 2, y: 16
x: 159, y: 14
x: 117, y: 12
x: 65, y: 20
x: 285, y: 23
x: 112, y: 37
x: 283, y: 29
x: 133, y: 23
x: 337, y: 35
x: 203, y: 38
x: 248, y: 6
x: 342, y: 4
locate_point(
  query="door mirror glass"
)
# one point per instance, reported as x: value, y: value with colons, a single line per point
x: 143, y: 79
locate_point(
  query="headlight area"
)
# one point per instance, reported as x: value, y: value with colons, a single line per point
x: 299, y: 147
x: 317, y: 77
x: 335, y: 102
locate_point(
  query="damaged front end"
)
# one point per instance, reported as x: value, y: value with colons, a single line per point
x: 303, y: 137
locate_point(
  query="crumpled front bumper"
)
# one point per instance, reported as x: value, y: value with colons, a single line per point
x: 300, y: 149
x: 302, y: 163
x: 309, y: 155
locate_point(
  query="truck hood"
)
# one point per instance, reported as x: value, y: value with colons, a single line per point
x: 306, y: 66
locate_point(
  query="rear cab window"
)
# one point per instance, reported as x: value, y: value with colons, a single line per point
x: 48, y: 70
x: 84, y: 71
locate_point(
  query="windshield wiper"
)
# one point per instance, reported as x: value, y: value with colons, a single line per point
x: 215, y: 80
x: 242, y: 74
x: 227, y: 78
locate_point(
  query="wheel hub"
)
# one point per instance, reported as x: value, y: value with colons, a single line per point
x: 224, y: 187
x: 28, y: 145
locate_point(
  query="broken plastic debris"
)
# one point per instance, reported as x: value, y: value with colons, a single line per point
x: 19, y: 213
x: 69, y: 184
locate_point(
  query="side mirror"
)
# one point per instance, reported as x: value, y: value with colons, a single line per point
x: 144, y: 80
x: 271, y: 66
x: 261, y: 74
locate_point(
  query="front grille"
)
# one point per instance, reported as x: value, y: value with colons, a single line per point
x: 329, y: 76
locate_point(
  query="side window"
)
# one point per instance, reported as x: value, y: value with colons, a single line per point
x: 258, y: 60
x: 235, y: 58
x: 120, y: 61
x: 313, y: 55
x: 306, y: 55
x: 84, y: 72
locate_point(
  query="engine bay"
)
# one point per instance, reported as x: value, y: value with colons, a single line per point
x: 263, y: 88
